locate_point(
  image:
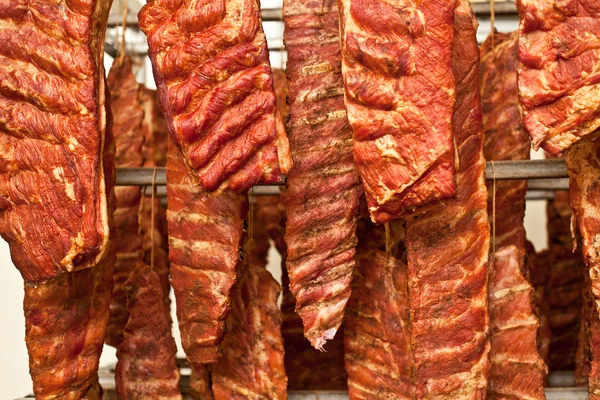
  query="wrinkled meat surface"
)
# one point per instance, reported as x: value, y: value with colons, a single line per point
x: 448, y: 252
x: 323, y: 186
x: 400, y: 93
x: 559, y: 71
x: 211, y: 66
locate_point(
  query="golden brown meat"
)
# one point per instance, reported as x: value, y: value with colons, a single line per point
x: 448, y: 252
x: 146, y: 366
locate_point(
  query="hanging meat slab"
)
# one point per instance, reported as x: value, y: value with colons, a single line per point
x: 448, y: 252
x: 323, y: 187
x: 211, y: 67
x: 583, y: 162
x: 200, y: 385
x: 127, y: 115
x: 559, y: 71
x: 146, y: 366
x: 516, y: 370
x: 376, y: 337
x: 205, y: 233
x: 53, y: 123
x: 400, y: 95
x: 538, y: 274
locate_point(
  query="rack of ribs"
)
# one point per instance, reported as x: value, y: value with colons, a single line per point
x: 448, y: 252
x: 211, y: 66
x: 53, y: 123
x: 400, y: 93
x: 559, y: 71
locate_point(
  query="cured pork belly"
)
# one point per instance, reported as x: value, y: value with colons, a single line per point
x: 583, y: 162
x: 323, y: 186
x: 200, y: 387
x: 400, y: 93
x: 146, y: 366
x: 205, y: 233
x: 53, y: 123
x: 211, y: 66
x: 559, y: 71
x: 516, y: 367
x: 537, y: 275
x: 127, y: 115
x: 448, y: 252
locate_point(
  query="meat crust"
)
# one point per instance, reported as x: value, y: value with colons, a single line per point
x: 323, y: 186
x: 559, y: 71
x: 53, y: 210
x: 205, y: 232
x: 211, y: 66
x: 400, y: 93
x: 448, y: 252
x: 146, y: 366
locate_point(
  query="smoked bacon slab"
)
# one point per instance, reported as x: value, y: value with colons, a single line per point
x: 53, y: 122
x: 559, y: 71
x: 211, y: 67
x: 400, y: 93
x: 205, y: 233
x: 323, y: 187
x: 516, y: 371
x: 448, y: 252
x: 583, y: 162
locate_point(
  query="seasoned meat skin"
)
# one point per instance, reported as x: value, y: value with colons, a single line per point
x: 323, y: 186
x: 448, y: 252
x: 252, y: 363
x: 282, y: 86
x: 146, y: 366
x: 211, y: 66
x: 377, y: 333
x: 200, y: 386
x: 583, y: 162
x: 559, y: 71
x: 127, y: 114
x: 205, y: 232
x: 400, y: 95
x: 53, y: 210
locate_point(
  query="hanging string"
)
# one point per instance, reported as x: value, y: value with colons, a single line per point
x: 152, y: 217
x: 141, y: 210
x: 124, y: 11
x: 493, y: 22
x: 493, y: 213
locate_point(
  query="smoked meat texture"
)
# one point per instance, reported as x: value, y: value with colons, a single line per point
x: 323, y: 186
x: 559, y: 71
x: 211, y: 67
x: 53, y: 122
x: 448, y: 252
x: 399, y: 94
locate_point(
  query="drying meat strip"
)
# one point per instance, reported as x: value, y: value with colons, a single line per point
x: 282, y: 86
x: 583, y: 355
x: 400, y: 95
x: 211, y: 66
x: 448, y: 252
x: 583, y: 162
x: 146, y: 366
x: 538, y: 274
x: 559, y: 71
x: 515, y: 371
x: 66, y: 317
x: 127, y: 114
x: 200, y: 387
x: 252, y: 363
x: 376, y: 337
x: 323, y: 186
x: 205, y: 232
x: 53, y: 210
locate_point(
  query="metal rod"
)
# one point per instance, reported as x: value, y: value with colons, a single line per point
x: 503, y: 170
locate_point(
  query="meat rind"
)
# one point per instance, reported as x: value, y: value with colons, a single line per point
x: 211, y: 67
x: 400, y: 93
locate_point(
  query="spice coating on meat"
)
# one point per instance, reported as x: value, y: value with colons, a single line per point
x: 146, y: 366
x: 376, y: 336
x: 53, y: 210
x: 448, y: 252
x: 127, y: 114
x: 515, y: 371
x: 323, y: 186
x: 583, y: 162
x: 559, y: 71
x: 252, y: 363
x: 205, y: 232
x: 211, y: 66
x: 400, y: 95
